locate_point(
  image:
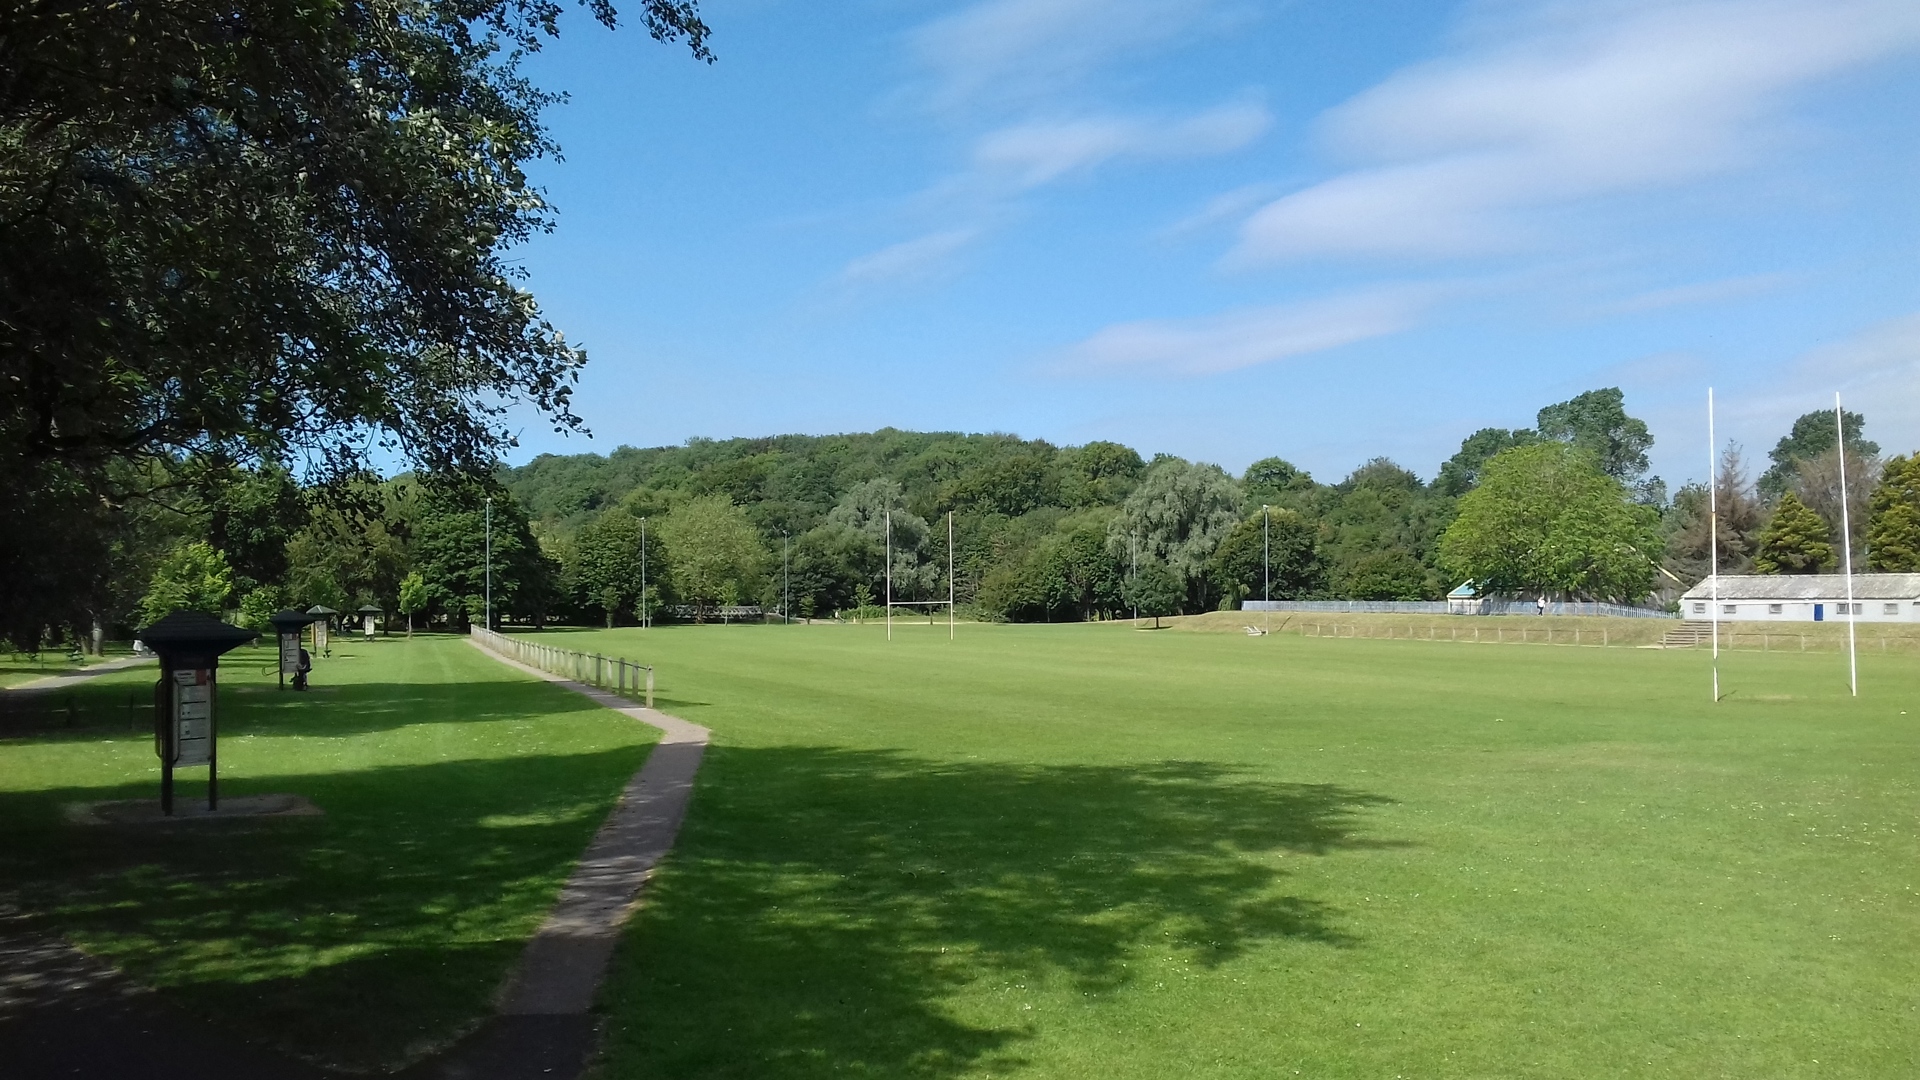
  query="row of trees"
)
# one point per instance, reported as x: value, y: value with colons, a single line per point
x: 1037, y: 532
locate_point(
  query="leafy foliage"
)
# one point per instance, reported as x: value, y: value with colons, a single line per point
x: 195, y: 577
x: 1794, y: 541
x: 1155, y: 589
x: 1812, y: 435
x: 1893, y: 536
x: 1597, y: 422
x: 240, y: 231
x: 1179, y: 514
x: 716, y: 555
x: 1281, y: 541
x: 1546, y: 518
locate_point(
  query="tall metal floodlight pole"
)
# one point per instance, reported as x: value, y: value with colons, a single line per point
x: 950, y: 590
x: 643, y: 574
x: 786, y: 580
x: 1713, y: 539
x: 889, y: 574
x: 1846, y: 544
x: 489, y: 615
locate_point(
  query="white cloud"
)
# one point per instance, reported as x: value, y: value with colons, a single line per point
x: 1453, y: 152
x: 1701, y: 292
x: 1038, y: 152
x: 910, y: 260
x: 1248, y: 337
x: 1019, y: 50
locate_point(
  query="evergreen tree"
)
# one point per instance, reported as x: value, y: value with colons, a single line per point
x: 1155, y: 590
x: 1893, y: 531
x: 1794, y: 542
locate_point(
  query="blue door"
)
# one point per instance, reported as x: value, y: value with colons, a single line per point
x: 1819, y: 613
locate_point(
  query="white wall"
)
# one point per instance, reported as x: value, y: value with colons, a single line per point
x: 1800, y: 610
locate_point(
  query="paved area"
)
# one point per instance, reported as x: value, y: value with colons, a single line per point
x: 64, y: 1014
x: 68, y: 678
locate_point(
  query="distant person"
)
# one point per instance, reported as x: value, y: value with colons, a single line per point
x: 1540, y: 606
x: 300, y: 670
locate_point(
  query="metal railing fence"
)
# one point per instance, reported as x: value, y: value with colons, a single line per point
x: 1441, y: 607
x: 613, y: 673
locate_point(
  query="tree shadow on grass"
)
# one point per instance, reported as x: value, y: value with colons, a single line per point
x: 93, y: 711
x: 361, y: 938
x: 825, y: 909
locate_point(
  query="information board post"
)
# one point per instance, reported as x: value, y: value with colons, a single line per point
x: 185, y: 717
x: 322, y: 617
x: 290, y: 625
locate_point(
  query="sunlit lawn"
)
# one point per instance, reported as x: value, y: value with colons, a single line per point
x: 1089, y: 852
x: 457, y: 796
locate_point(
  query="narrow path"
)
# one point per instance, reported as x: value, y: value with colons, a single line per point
x: 68, y: 678
x: 544, y: 1027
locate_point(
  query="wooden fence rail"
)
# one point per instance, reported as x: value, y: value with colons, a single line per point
x: 613, y: 673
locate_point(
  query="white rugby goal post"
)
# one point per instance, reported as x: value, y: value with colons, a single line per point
x: 929, y: 604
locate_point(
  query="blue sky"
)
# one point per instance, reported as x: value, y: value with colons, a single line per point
x: 1227, y: 230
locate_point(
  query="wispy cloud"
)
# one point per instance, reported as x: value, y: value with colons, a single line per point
x: 1248, y: 337
x: 1015, y: 51
x: 909, y: 261
x: 1452, y: 154
x: 1700, y: 292
x: 1037, y: 152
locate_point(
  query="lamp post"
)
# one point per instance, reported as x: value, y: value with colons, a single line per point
x: 643, y: 574
x: 1266, y: 553
x: 489, y: 614
x: 786, y: 580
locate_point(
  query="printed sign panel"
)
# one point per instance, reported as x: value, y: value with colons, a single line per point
x: 290, y: 653
x: 192, y: 717
x: 366, y: 623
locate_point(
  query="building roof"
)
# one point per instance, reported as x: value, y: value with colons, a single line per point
x: 1465, y: 591
x: 1809, y: 587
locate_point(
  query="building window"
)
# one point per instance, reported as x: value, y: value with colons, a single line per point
x: 1728, y: 609
x: 1890, y: 609
x: 1701, y: 609
x: 1775, y: 609
x: 1845, y: 608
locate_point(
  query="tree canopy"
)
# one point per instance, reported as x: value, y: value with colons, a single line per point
x: 246, y: 232
x: 1546, y: 518
x: 1794, y: 541
x: 1893, y: 534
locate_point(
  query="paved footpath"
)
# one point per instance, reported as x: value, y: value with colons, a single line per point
x: 68, y: 678
x: 64, y: 1014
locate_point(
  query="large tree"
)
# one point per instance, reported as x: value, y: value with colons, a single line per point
x: 716, y: 554
x: 1597, y: 422
x: 1893, y: 535
x: 1271, y: 552
x: 1546, y: 518
x: 1812, y: 435
x: 1459, y: 473
x: 606, y: 564
x: 1178, y: 515
x: 251, y: 231
x: 1794, y: 541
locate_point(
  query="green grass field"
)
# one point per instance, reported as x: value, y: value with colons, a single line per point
x: 1084, y: 851
x: 457, y: 795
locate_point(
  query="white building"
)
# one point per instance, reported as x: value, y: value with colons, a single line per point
x: 1806, y: 598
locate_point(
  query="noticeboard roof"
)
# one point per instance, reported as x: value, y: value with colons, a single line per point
x: 321, y: 609
x: 289, y: 620
x: 194, y: 632
x: 369, y: 609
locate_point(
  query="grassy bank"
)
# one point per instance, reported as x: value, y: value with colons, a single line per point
x: 456, y: 793
x: 1082, y: 851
